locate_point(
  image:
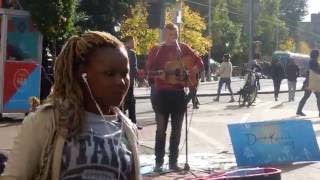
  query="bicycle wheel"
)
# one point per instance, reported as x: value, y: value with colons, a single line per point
x: 252, y: 96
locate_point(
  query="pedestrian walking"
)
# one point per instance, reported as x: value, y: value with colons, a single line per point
x: 311, y: 83
x: 225, y: 73
x: 167, y: 93
x: 277, y: 74
x: 292, y: 74
x: 80, y: 133
x: 130, y: 100
x: 192, y: 95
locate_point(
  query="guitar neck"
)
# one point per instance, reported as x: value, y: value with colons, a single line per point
x: 167, y: 72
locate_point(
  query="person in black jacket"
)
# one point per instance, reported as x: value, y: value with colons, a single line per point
x: 315, y: 67
x: 277, y: 74
x: 292, y: 73
x: 130, y: 101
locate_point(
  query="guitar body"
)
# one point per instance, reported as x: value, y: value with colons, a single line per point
x: 178, y: 72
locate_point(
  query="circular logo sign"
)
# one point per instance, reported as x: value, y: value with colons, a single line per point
x: 20, y: 77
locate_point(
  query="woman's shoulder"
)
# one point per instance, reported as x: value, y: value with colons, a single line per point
x: 126, y: 120
x: 44, y: 109
x: 43, y: 116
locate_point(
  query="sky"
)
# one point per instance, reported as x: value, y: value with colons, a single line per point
x: 313, y: 7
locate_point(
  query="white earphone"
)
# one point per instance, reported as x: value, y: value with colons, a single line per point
x: 84, y: 77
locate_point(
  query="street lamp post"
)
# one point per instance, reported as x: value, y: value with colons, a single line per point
x: 250, y: 29
x: 208, y: 74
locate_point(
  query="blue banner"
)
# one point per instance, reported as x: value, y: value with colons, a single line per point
x: 273, y: 142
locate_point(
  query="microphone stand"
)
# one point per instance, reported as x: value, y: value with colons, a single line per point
x: 186, y: 165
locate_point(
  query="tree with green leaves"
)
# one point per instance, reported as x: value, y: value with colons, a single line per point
x: 293, y: 12
x: 103, y: 15
x: 192, y: 31
x: 226, y: 34
x: 270, y: 29
x: 288, y: 45
x: 54, y: 19
x: 137, y: 26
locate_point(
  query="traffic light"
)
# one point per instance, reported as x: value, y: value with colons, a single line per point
x: 154, y: 8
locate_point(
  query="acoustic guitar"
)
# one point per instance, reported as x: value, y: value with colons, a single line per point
x: 178, y: 72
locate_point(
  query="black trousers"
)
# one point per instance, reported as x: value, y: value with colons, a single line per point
x: 168, y: 104
x: 305, y: 97
x: 130, y: 104
x: 276, y: 85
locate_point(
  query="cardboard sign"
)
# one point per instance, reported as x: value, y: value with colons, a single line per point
x: 274, y: 142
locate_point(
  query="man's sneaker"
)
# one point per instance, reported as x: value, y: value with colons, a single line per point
x: 139, y: 127
x: 301, y: 114
x: 158, y: 168
x: 175, y: 167
x: 232, y: 100
x: 216, y: 99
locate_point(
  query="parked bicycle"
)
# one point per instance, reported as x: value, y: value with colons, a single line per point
x: 248, y: 94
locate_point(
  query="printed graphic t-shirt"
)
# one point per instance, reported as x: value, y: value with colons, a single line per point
x: 97, y: 153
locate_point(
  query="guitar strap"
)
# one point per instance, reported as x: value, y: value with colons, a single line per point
x: 179, y: 51
x: 156, y: 64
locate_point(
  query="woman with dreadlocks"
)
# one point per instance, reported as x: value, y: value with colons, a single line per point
x: 79, y: 133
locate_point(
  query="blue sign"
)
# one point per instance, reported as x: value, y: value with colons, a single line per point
x: 274, y: 142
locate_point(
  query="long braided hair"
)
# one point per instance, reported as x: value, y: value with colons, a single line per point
x: 67, y: 94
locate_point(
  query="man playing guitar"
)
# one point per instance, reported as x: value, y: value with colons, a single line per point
x: 176, y: 64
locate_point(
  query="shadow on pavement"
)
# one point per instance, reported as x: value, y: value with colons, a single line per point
x: 278, y: 105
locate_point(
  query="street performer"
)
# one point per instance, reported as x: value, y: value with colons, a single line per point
x: 171, y: 60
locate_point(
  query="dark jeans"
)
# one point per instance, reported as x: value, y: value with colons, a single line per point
x: 305, y: 97
x: 176, y: 126
x: 276, y: 86
x: 130, y: 104
x: 226, y: 81
x: 168, y: 104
